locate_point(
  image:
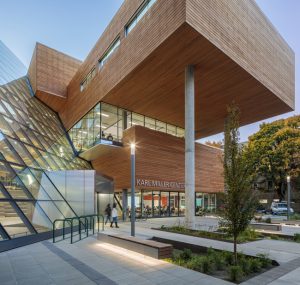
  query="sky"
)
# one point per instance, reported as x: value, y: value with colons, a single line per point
x: 74, y: 26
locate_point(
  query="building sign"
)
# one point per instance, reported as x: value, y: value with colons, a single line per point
x: 159, y: 184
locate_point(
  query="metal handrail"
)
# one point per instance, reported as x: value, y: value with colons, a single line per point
x: 89, y: 223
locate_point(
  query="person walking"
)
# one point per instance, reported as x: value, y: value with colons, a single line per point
x: 107, y: 212
x: 114, y: 216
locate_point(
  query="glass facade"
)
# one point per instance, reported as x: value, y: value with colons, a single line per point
x: 155, y: 204
x: 35, y: 159
x: 105, y: 124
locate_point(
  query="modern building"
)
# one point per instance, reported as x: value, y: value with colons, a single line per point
x: 160, y: 76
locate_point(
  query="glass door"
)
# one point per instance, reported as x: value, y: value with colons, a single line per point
x: 174, y: 203
x: 156, y: 204
x: 147, y: 203
x: 164, y: 204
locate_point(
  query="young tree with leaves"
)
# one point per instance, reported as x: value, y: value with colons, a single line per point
x: 240, y: 201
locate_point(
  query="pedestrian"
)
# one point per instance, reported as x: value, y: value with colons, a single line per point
x: 107, y: 212
x: 114, y: 216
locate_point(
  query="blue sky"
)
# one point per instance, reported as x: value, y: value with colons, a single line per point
x: 73, y: 27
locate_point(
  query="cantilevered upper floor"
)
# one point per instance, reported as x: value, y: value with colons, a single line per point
x: 139, y: 61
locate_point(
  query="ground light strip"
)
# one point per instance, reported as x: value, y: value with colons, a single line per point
x: 130, y: 254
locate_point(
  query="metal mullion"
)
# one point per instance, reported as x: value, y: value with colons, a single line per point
x: 9, y: 127
x: 12, y: 149
x: 60, y: 194
x: 24, y: 188
x: 28, y: 153
x: 18, y: 210
x: 4, y: 233
x: 50, y: 200
x: 8, y: 112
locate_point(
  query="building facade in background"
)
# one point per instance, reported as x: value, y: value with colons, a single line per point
x: 131, y: 89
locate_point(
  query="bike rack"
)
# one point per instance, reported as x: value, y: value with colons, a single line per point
x: 87, y: 221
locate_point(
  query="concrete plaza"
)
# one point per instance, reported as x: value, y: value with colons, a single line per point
x: 92, y: 262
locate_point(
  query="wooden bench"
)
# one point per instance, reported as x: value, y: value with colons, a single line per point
x: 267, y: 227
x: 150, y: 248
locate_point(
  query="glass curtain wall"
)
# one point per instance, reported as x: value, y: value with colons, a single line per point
x: 105, y: 124
x: 205, y: 202
x: 153, y: 204
x: 33, y: 145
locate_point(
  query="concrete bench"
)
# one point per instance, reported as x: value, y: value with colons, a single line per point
x: 150, y: 248
x: 267, y: 227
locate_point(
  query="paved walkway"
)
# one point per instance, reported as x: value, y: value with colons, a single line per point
x: 93, y: 262
x: 90, y: 262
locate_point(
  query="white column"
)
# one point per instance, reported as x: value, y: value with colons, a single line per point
x: 189, y: 147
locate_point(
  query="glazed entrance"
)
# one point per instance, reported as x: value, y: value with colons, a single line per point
x: 155, y: 204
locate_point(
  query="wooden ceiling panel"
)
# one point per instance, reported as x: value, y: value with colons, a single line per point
x: 156, y: 87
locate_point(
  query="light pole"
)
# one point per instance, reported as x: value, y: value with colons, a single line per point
x: 132, y: 212
x: 288, y: 180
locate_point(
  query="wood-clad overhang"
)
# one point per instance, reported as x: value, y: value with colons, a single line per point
x: 156, y: 87
x: 238, y: 55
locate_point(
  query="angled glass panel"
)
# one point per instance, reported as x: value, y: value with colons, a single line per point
x: 23, y: 153
x: 31, y: 183
x: 47, y: 185
x: 11, y: 221
x: 5, y: 127
x: 36, y: 216
x: 12, y: 183
x: 65, y: 209
x: 51, y: 210
x: 8, y: 151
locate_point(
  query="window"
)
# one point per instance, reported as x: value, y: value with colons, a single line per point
x: 88, y: 79
x: 138, y: 15
x: 109, y: 52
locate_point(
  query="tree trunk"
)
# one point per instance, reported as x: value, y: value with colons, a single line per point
x: 235, y: 249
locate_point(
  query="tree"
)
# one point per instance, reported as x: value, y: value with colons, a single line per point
x: 240, y: 200
x: 275, y: 151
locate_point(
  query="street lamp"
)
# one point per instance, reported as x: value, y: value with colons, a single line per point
x: 288, y: 180
x: 132, y: 214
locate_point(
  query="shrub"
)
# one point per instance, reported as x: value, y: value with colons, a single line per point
x: 216, y: 258
x: 207, y: 264
x: 245, y: 265
x: 248, y: 235
x: 235, y: 273
x: 255, y: 265
x: 297, y: 237
x: 196, y: 263
x: 186, y: 254
x: 219, y: 262
x: 228, y: 257
x: 264, y: 260
x: 211, y: 251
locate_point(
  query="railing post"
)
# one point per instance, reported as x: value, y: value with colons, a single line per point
x: 71, y: 231
x: 93, y: 225
x: 64, y: 229
x: 53, y: 231
x: 87, y: 226
x: 79, y: 228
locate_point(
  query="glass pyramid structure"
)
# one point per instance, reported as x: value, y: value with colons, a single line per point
x: 36, y: 157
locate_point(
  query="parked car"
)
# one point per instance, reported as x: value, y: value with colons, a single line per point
x: 278, y: 208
